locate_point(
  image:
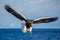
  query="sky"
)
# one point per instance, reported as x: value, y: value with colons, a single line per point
x: 31, y: 9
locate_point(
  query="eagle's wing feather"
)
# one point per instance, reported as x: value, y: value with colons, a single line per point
x: 45, y: 20
x: 13, y: 12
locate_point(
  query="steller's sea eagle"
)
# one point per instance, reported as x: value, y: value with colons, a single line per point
x: 28, y: 24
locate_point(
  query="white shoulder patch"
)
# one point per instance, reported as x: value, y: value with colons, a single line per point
x: 41, y: 18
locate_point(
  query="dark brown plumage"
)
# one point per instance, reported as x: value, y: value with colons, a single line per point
x: 28, y: 22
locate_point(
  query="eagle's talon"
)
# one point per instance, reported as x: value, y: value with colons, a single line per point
x: 30, y: 32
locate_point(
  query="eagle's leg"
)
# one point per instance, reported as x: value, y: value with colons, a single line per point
x: 30, y: 30
x: 24, y: 29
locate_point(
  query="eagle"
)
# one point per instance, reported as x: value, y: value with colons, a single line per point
x: 28, y: 23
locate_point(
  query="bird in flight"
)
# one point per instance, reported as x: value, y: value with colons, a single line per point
x: 28, y: 25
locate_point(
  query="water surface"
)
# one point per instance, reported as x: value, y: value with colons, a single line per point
x: 37, y: 34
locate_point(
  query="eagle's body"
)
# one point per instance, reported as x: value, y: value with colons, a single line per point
x: 28, y: 24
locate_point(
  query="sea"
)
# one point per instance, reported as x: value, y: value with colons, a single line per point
x: 37, y: 34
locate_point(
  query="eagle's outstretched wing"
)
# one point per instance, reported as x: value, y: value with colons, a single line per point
x: 13, y: 12
x: 44, y: 20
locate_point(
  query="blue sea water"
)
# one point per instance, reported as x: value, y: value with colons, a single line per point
x: 37, y: 34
